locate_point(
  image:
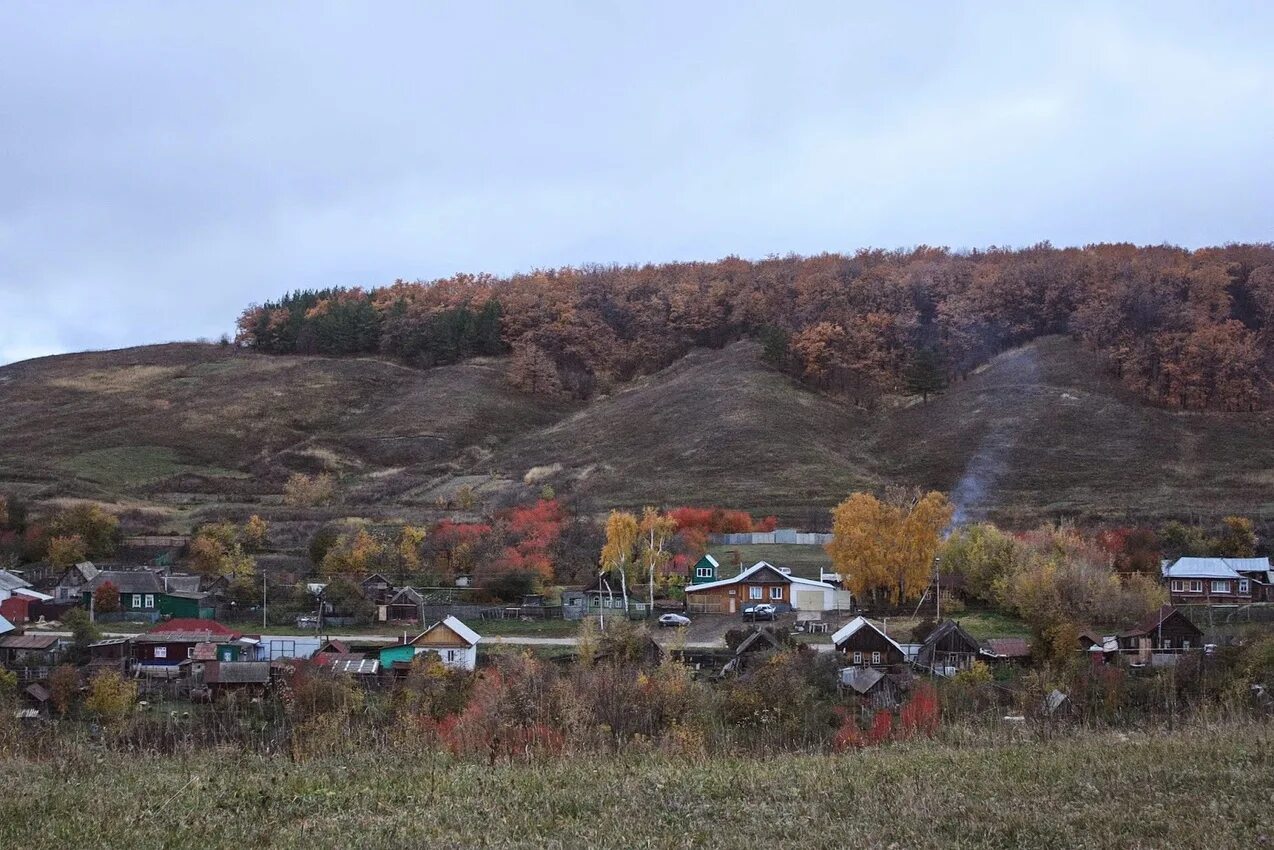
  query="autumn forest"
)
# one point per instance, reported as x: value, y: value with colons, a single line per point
x: 1184, y: 329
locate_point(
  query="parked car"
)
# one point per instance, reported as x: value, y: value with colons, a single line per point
x: 307, y: 622
x: 764, y: 611
x: 671, y: 620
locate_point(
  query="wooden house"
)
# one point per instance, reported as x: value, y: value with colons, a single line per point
x: 160, y: 650
x: 144, y: 595
x: 762, y: 582
x: 455, y: 644
x: 1167, y: 630
x: 949, y: 649
x: 404, y: 605
x: 867, y: 646
x: 1217, y: 581
x: 376, y: 588
x: 70, y: 586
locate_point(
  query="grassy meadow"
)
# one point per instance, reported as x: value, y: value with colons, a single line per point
x: 1190, y: 788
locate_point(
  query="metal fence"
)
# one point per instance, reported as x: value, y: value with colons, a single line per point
x: 785, y: 536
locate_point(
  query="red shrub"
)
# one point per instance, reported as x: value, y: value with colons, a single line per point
x: 921, y: 714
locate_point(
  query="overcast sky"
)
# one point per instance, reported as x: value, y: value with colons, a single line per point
x: 162, y: 165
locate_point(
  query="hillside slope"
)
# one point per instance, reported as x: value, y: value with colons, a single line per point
x: 194, y: 430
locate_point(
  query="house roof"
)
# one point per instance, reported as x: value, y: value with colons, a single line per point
x: 181, y: 637
x: 1191, y: 567
x: 333, y: 647
x: 861, y: 679
x: 191, y: 624
x: 182, y: 583
x: 236, y: 672
x: 759, y: 636
x: 1009, y: 647
x: 375, y: 577
x: 755, y: 568
x: 126, y: 581
x: 84, y: 571
x: 8, y: 581
x: 1152, y: 621
x: 36, y: 642
x: 30, y: 593
x: 5, y: 625
x: 406, y: 595
x: 945, y: 628
x: 38, y: 692
x: 857, y: 624
x: 355, y: 665
x: 462, y: 631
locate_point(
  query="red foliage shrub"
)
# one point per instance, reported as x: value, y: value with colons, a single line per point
x: 921, y: 713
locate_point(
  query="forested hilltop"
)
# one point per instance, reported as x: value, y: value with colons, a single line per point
x: 1185, y: 329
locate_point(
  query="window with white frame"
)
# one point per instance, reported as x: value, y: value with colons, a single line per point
x: 1220, y: 587
x: 1196, y: 586
x: 858, y: 658
x: 754, y: 592
x: 1243, y: 586
x: 137, y: 600
x: 1178, y: 586
x: 776, y: 592
x: 703, y: 572
x: 150, y: 600
x: 875, y: 658
x: 161, y: 652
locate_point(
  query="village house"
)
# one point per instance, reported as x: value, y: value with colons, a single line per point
x: 143, y: 595
x: 763, y: 583
x: 1218, y: 581
x: 867, y: 646
x: 70, y: 586
x: 376, y: 588
x: 455, y: 644
x: 160, y: 650
x: 949, y: 649
x: 1167, y: 630
x: 404, y: 605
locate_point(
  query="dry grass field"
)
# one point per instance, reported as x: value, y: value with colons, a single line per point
x: 1190, y: 788
x: 192, y: 431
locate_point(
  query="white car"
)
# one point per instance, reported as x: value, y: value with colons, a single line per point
x: 764, y: 611
x: 671, y: 620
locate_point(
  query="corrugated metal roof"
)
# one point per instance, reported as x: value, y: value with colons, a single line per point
x: 853, y: 626
x: 8, y: 581
x: 5, y: 626
x: 1192, y: 567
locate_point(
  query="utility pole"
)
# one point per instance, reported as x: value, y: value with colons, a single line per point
x: 265, y: 606
x: 937, y: 577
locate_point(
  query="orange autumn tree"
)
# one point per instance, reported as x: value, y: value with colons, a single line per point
x: 888, y: 546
